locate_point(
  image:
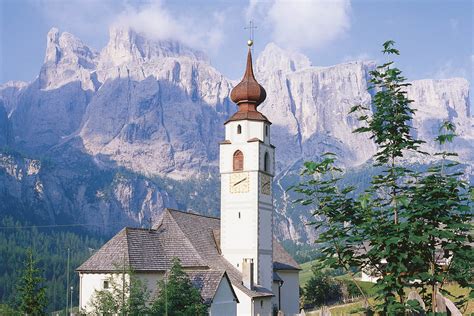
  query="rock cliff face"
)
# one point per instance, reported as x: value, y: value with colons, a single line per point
x: 444, y: 100
x: 112, y: 125
x: 160, y: 103
x: 79, y: 192
x: 4, y: 126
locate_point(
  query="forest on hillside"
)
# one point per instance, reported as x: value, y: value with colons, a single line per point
x: 50, y: 247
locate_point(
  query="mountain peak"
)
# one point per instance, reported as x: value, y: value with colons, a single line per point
x: 67, y: 59
x: 126, y: 45
x: 66, y: 46
x: 52, y: 43
x: 274, y: 58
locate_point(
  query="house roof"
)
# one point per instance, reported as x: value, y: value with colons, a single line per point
x: 207, y: 283
x: 193, y: 238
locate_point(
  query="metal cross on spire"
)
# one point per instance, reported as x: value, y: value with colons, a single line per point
x: 251, y: 28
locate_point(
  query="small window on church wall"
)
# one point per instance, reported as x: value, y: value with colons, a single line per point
x: 266, y: 162
x: 261, y: 303
x: 266, y: 130
x: 239, y: 214
x: 239, y: 129
x: 238, y: 161
x: 106, y: 284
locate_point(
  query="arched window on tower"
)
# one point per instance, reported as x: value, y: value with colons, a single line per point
x: 239, y: 129
x: 266, y: 162
x: 238, y: 161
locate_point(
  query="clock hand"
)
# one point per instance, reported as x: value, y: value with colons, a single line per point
x: 240, y: 181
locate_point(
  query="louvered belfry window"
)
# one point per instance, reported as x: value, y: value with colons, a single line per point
x: 266, y: 162
x: 238, y: 161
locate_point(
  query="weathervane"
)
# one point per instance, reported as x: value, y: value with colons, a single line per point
x: 251, y: 27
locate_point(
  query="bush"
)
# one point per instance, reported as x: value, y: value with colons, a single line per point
x: 321, y: 290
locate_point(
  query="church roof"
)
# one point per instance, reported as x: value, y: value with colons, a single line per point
x: 207, y: 283
x: 248, y: 91
x: 248, y: 94
x: 193, y: 238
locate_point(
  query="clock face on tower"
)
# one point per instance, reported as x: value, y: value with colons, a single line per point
x: 265, y: 184
x: 239, y: 182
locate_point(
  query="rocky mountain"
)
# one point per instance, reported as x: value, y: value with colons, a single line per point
x: 116, y: 135
x: 4, y: 126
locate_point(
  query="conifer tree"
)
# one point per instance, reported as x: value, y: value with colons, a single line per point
x: 177, y: 295
x: 32, y: 294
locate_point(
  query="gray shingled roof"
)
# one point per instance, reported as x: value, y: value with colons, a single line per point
x: 192, y: 238
x: 207, y: 282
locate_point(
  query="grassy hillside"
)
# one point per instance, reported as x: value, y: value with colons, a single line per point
x: 305, y: 273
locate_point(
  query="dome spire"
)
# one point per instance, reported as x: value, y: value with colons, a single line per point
x: 248, y: 94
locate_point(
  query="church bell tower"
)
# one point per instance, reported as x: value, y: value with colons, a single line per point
x: 247, y: 164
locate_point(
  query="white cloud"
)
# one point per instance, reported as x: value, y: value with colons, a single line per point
x: 201, y: 30
x: 156, y: 22
x: 80, y: 16
x: 449, y: 70
x: 361, y: 56
x: 302, y: 24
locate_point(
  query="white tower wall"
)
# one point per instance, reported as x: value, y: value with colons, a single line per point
x: 246, y: 209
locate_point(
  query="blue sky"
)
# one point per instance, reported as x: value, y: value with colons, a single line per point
x: 435, y: 37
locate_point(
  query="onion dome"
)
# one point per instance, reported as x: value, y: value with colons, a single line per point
x: 248, y: 90
x: 248, y: 94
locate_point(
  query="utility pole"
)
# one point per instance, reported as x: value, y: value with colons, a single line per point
x: 67, y: 281
x: 72, y: 288
x: 150, y: 223
x: 123, y: 286
x: 166, y: 295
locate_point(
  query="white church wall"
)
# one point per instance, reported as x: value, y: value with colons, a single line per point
x: 238, y: 215
x: 244, y: 308
x: 247, y: 214
x: 262, y: 306
x: 253, y: 307
x: 290, y: 291
x: 266, y: 270
x: 150, y: 280
x: 249, y: 130
x: 89, y: 282
x: 223, y: 302
x: 276, y: 293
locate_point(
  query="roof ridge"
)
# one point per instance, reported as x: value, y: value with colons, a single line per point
x: 128, y: 249
x: 117, y: 237
x: 192, y: 213
x: 186, y: 236
x: 138, y: 228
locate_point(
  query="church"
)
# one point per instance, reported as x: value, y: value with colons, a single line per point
x: 235, y: 261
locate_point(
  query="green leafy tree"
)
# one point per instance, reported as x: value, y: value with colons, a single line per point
x: 126, y: 294
x: 411, y: 228
x: 32, y: 294
x: 438, y: 220
x: 177, y: 295
x: 321, y: 289
x: 104, y: 302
